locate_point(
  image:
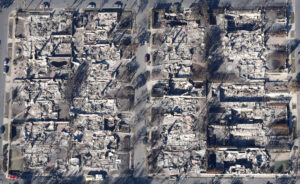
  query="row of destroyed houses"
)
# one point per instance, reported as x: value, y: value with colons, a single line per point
x: 71, y: 97
x: 229, y: 117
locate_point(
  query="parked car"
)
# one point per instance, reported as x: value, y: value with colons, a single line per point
x: 6, y: 61
x: 147, y: 58
x: 6, y: 69
x: 97, y: 177
x: 26, y: 175
x: 118, y: 4
x: 46, y: 5
x: 91, y: 5
x: 14, y: 173
x: 2, y: 129
x: 12, y: 177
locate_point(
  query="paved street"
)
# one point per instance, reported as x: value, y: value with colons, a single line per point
x: 297, y: 24
x: 297, y: 30
x: 297, y: 60
x: 3, y: 53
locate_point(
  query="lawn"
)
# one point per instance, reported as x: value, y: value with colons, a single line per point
x: 16, y: 160
x: 282, y: 166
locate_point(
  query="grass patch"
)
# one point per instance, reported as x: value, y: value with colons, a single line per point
x: 4, y: 157
x: 293, y: 67
x: 282, y: 166
x: 295, y: 129
x: 10, y: 28
x: 126, y: 20
x: 293, y: 55
x: 5, y: 135
x: 292, y: 34
x: 16, y: 160
x: 149, y: 22
x: 292, y: 17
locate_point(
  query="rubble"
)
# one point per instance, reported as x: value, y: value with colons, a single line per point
x: 218, y: 79
x: 70, y: 116
x: 222, y: 107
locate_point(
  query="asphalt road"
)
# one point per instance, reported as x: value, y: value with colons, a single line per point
x: 248, y: 180
x: 297, y: 36
x: 3, y: 53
